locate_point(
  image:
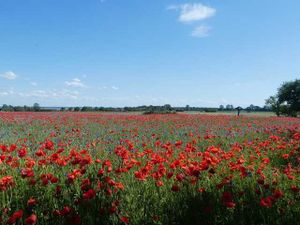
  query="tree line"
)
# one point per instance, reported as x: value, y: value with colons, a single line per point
x: 167, y: 108
x: 9, y: 108
x: 285, y: 102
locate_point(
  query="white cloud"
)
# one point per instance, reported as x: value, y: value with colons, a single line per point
x: 4, y: 93
x: 108, y: 88
x: 33, y: 83
x: 51, y: 94
x: 75, y: 83
x: 9, y: 75
x: 191, y: 12
x: 8, y: 92
x: 201, y: 31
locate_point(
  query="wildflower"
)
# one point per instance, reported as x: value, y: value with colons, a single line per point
x: 124, y: 219
x: 31, y: 220
x: 89, y: 194
x: 227, y: 199
x: 15, y: 217
x: 266, y: 202
x: 31, y: 202
x: 6, y: 182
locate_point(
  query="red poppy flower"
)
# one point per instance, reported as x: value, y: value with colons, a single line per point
x: 16, y: 216
x: 124, y: 219
x: 31, y: 220
x: 266, y: 202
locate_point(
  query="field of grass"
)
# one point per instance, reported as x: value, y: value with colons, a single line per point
x: 91, y: 168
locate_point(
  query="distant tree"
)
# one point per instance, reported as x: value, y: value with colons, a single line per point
x: 85, y: 109
x: 221, y: 107
x: 36, y: 107
x: 289, y: 95
x: 77, y: 109
x: 251, y: 107
x: 257, y: 108
x: 287, y: 99
x: 274, y: 104
x: 26, y: 108
x: 229, y: 107
x: 187, y: 108
x: 4, y: 107
x: 18, y: 108
x: 7, y: 108
x: 127, y: 109
x: 167, y: 107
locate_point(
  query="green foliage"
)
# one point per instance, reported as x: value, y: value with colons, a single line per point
x: 273, y: 102
x: 36, y: 107
x: 287, y: 99
x: 211, y: 110
x: 289, y: 93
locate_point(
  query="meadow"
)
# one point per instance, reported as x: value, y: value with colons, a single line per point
x: 92, y: 168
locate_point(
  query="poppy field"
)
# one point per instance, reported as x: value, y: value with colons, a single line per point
x: 92, y: 168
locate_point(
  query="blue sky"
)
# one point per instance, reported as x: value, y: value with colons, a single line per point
x: 136, y: 52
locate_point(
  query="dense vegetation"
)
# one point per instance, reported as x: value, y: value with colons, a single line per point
x: 147, y: 109
x: 287, y: 99
x: 90, y: 168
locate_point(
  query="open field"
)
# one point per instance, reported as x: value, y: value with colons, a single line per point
x: 91, y: 168
x: 233, y: 113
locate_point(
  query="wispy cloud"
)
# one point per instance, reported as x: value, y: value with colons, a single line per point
x: 191, y: 12
x: 7, y: 92
x: 33, y: 83
x: 50, y: 94
x: 195, y: 12
x: 4, y: 93
x: 108, y: 88
x: 75, y: 83
x: 201, y: 31
x: 115, y: 88
x: 9, y: 75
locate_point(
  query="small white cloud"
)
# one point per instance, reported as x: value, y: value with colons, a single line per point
x: 33, y: 83
x: 115, y: 88
x: 201, y: 31
x: 4, y: 93
x: 9, y: 75
x: 7, y: 92
x: 193, y: 12
x: 108, y: 88
x: 75, y: 83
